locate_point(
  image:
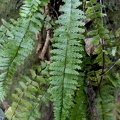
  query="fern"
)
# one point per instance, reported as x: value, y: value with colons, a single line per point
x: 17, y: 40
x: 66, y: 58
x: 104, y: 93
x: 70, y: 67
x: 29, y: 95
x: 22, y: 108
x: 78, y: 111
x: 106, y: 103
x: 97, y: 37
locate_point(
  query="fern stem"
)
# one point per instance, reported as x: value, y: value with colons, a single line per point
x: 67, y: 41
x: 63, y: 78
x: 20, y: 100
x: 103, y: 117
x: 109, y: 68
x: 22, y: 97
x: 47, y: 41
x: 31, y: 112
x: 102, y: 72
x: 103, y: 58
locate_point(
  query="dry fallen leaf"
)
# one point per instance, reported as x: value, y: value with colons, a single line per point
x: 89, y: 47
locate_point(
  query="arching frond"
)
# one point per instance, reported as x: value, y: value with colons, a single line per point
x: 17, y: 40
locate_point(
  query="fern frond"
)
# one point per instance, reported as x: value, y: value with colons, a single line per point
x: 30, y: 7
x: 106, y: 103
x: 25, y: 101
x: 28, y: 97
x: 17, y: 41
x: 97, y: 37
x: 66, y: 58
x: 78, y: 111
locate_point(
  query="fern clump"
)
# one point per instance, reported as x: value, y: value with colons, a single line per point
x: 104, y: 98
x: 78, y: 82
x: 66, y: 57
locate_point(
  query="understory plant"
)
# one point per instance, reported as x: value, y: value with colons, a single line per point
x: 77, y: 74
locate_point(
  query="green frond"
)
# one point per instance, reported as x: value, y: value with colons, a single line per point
x: 66, y: 58
x: 31, y: 7
x: 105, y: 100
x: 97, y: 38
x: 25, y: 103
x: 28, y: 97
x: 72, y: 80
x: 94, y: 12
x: 78, y: 111
x: 17, y: 41
x: 106, y: 103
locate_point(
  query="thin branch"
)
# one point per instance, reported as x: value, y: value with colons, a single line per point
x: 109, y: 69
x: 55, y: 12
x: 45, y: 47
x: 39, y: 38
x: 47, y: 41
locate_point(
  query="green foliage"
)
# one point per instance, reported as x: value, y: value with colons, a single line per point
x: 25, y: 105
x: 17, y: 40
x: 102, y: 77
x: 66, y: 58
x: 78, y: 111
x: 64, y: 80
x: 97, y: 36
x: 29, y: 95
x: 106, y: 103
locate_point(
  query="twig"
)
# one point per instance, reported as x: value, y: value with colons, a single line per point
x: 47, y: 41
x: 109, y: 69
x: 103, y: 68
x: 45, y: 47
x: 39, y: 38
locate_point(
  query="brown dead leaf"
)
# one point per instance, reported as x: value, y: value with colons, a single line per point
x: 89, y: 47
